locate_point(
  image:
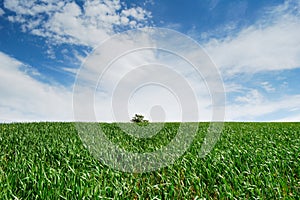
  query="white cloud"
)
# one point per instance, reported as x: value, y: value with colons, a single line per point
x: 25, y: 99
x: 256, y: 106
x: 67, y: 22
x: 70, y: 70
x: 137, y: 13
x: 126, y: 72
x: 267, y: 86
x: 232, y: 87
x: 31, y: 7
x: 292, y: 118
x: 253, y: 97
x: 270, y: 44
x: 1, y: 12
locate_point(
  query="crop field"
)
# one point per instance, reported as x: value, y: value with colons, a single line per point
x: 249, y: 161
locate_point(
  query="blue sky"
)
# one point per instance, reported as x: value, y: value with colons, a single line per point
x: 254, y: 44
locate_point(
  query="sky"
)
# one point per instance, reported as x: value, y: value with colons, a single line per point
x: 254, y: 45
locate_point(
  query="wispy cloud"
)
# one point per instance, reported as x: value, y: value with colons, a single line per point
x: 253, y: 97
x: 1, y: 12
x: 254, y: 106
x: 23, y: 98
x: 270, y: 44
x: 291, y: 118
x: 267, y: 86
x: 166, y: 74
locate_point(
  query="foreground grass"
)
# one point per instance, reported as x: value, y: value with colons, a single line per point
x: 251, y: 160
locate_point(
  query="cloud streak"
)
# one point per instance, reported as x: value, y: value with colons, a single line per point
x: 256, y: 107
x: 270, y: 44
x: 23, y: 98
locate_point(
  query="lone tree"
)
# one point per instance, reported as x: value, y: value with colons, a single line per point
x: 139, y: 119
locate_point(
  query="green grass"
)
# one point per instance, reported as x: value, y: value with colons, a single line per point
x: 250, y: 161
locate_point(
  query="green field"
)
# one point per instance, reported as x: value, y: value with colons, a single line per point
x: 250, y: 161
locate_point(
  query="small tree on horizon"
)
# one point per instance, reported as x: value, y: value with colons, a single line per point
x: 139, y: 119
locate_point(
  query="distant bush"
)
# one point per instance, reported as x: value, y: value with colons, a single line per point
x: 139, y: 119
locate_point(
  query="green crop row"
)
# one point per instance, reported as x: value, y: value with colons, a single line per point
x: 249, y: 161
